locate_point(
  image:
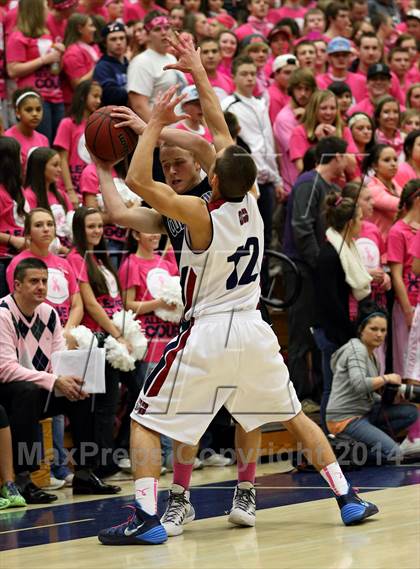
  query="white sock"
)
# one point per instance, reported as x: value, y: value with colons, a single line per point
x: 146, y: 494
x: 334, y: 477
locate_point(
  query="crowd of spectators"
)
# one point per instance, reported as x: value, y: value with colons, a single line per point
x: 326, y: 97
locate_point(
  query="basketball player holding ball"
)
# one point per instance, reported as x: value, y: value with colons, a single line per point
x: 225, y: 354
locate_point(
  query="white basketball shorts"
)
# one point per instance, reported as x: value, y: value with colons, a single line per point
x: 230, y: 359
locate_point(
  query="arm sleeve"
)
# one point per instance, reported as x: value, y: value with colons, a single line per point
x: 396, y: 252
x: 63, y: 136
x: 10, y: 368
x: 128, y: 274
x: 89, y: 182
x: 75, y: 63
x: 140, y: 79
x: 299, y: 143
x: 16, y: 51
x: 358, y: 371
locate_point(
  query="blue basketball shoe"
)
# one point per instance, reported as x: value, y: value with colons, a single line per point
x: 139, y: 529
x: 353, y: 509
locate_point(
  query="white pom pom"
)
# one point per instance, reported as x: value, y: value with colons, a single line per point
x: 66, y: 228
x: 83, y: 337
x: 127, y: 196
x: 132, y: 332
x: 117, y: 355
x: 171, y: 293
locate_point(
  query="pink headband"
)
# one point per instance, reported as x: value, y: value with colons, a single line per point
x: 159, y: 21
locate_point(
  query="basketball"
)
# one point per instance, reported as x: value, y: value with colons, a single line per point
x: 104, y: 140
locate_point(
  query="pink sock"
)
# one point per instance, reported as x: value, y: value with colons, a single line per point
x: 414, y: 431
x: 246, y: 472
x: 182, y: 474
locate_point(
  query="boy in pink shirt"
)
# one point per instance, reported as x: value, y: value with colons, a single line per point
x: 138, y: 9
x: 283, y: 67
x: 58, y: 15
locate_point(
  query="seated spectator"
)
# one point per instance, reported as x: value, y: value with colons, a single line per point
x: 355, y: 407
x: 33, y: 59
x: 30, y: 332
x: 70, y: 137
x: 41, y: 190
x: 111, y: 70
x: 81, y: 53
x: 340, y: 275
x: 13, y: 203
x: 413, y: 97
x: 387, y: 121
x: 300, y: 89
x: 385, y: 190
x: 283, y: 67
x: 257, y: 22
x: 410, y: 168
x: 321, y: 119
x: 410, y: 120
x: 405, y: 283
x: 10, y: 496
x: 29, y: 111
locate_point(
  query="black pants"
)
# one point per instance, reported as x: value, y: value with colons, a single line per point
x: 26, y: 404
x: 266, y: 204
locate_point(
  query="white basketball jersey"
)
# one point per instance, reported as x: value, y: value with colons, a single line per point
x: 225, y: 277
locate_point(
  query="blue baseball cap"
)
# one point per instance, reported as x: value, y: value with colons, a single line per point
x: 339, y: 45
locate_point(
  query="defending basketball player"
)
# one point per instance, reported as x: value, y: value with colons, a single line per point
x: 223, y: 335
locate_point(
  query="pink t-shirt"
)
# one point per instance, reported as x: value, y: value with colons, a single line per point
x: 2, y: 61
x: 299, y: 142
x: 225, y: 67
x: 110, y: 302
x: 78, y: 59
x: 71, y: 137
x: 89, y: 184
x: 363, y: 106
x: 133, y: 10
x: 283, y: 127
x: 278, y: 99
x: 146, y: 276
x: 204, y: 131
x: 414, y: 250
x: 400, y: 238
x: 10, y: 221
x: 94, y: 11
x: 222, y: 84
x: 253, y: 26
x: 405, y: 174
x: 62, y: 283
x: 27, y: 143
x: 21, y: 49
x: 57, y: 209
x: 56, y: 27
x: 413, y: 74
x: 385, y: 205
x: 298, y: 14
x: 356, y: 82
x: 395, y: 89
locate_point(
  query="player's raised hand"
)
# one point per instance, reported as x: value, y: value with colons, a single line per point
x: 164, y: 109
x: 188, y: 57
x: 128, y: 118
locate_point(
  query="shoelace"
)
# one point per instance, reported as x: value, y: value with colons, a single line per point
x: 130, y: 518
x: 176, y: 504
x: 12, y: 489
x: 244, y: 499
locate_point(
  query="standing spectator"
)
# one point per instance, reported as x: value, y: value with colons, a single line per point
x: 177, y: 17
x: 363, y: 133
x: 41, y: 190
x: 339, y: 54
x: 301, y: 87
x: 385, y: 190
x: 138, y: 10
x: 33, y: 59
x: 210, y: 58
x: 314, y: 21
x: 412, y: 368
x: 257, y: 22
x: 321, y: 63
x: 410, y: 120
x: 406, y: 284
x: 303, y: 237
x: 283, y: 67
x: 28, y: 109
x: 399, y: 63
x: 115, y: 10
x: 280, y: 44
x: 228, y: 44
x: 197, y: 25
x: 111, y: 70
x: 146, y: 75
x: 257, y: 133
x: 384, y: 29
x: 93, y: 8
x: 410, y: 168
x: 413, y: 23
x: 321, y: 119
x: 338, y: 20
x: 343, y: 95
x: 305, y: 52
x: 387, y: 121
x: 340, y: 275
x: 58, y: 15
x: 413, y: 97
x: 256, y: 47
x: 137, y: 39
x: 81, y: 55
x: 70, y: 139
x: 100, y: 291
x: 378, y: 85
x: 13, y: 203
x: 4, y: 110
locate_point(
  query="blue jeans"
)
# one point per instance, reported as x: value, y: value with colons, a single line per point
x: 59, y: 469
x: 327, y: 349
x: 53, y: 114
x: 371, y: 429
x: 115, y: 250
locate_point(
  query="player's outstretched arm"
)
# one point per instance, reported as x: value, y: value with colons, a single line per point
x: 138, y: 218
x: 188, y: 209
x: 189, y: 61
x: 203, y: 151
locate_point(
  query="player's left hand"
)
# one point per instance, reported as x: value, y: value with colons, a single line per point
x: 164, y: 108
x: 188, y: 57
